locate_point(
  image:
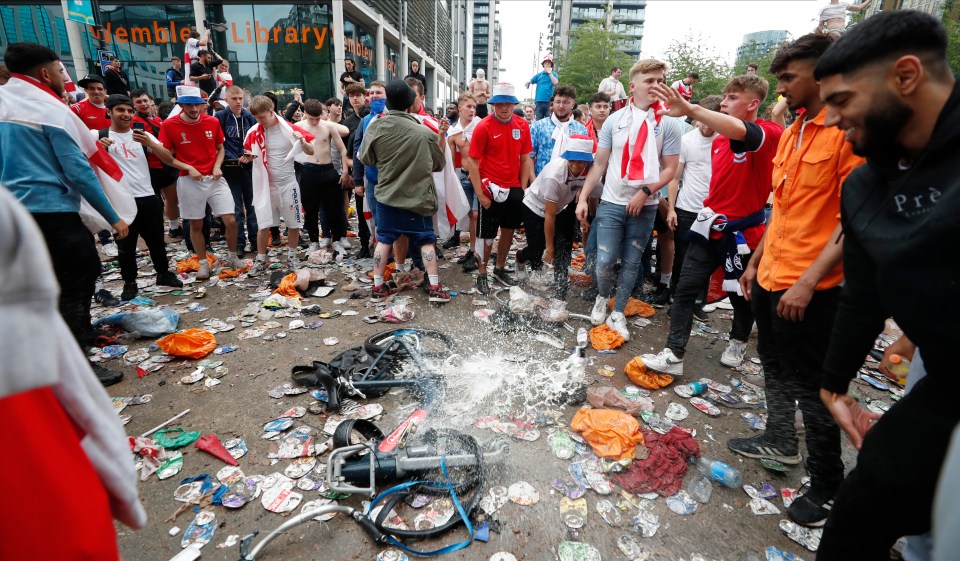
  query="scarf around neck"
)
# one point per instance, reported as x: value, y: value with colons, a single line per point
x: 640, y: 164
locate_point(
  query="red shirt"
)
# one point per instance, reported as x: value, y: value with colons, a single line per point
x: 592, y: 132
x: 152, y: 126
x: 94, y: 117
x: 195, y: 144
x: 498, y: 146
x: 742, y: 174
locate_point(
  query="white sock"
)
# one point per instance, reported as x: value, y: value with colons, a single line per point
x: 262, y: 257
x: 377, y: 280
x: 434, y: 280
x: 174, y: 223
x: 665, y: 278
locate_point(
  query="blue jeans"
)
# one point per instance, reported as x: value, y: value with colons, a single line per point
x: 240, y: 180
x: 624, y: 237
x: 369, y: 191
x: 542, y: 110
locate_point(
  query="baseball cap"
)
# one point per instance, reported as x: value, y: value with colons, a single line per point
x: 494, y: 191
x: 89, y: 78
x: 114, y: 100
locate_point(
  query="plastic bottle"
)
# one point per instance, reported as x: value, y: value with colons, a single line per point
x: 582, y: 337
x: 700, y: 488
x: 719, y: 472
x: 898, y: 366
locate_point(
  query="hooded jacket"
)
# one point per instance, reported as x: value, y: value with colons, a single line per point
x: 418, y: 76
x: 901, y: 255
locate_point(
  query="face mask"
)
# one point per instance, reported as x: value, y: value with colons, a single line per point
x: 377, y: 106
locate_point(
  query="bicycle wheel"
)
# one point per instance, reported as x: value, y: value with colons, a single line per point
x: 428, y: 342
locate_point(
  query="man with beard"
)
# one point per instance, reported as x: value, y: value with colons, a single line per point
x: 794, y: 281
x: 549, y: 136
x: 888, y: 85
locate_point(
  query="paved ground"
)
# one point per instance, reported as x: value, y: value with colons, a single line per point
x: 725, y: 528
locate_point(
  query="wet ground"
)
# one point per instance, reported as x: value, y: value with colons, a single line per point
x: 724, y: 528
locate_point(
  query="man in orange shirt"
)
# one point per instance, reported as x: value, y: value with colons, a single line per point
x: 793, y: 281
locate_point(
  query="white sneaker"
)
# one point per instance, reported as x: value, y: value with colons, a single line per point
x: 345, y: 242
x: 111, y: 249
x: 724, y: 304
x: 235, y: 263
x: 664, y: 362
x: 338, y: 247
x: 599, y: 312
x: 204, y: 272
x: 324, y: 243
x: 312, y: 247
x: 258, y: 268
x: 733, y: 356
x: 618, y: 323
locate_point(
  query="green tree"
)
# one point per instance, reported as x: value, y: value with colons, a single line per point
x: 690, y: 55
x: 951, y: 20
x: 593, y: 51
x: 762, y: 60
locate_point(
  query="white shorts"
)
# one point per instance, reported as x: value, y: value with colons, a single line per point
x: 285, y: 203
x: 194, y: 196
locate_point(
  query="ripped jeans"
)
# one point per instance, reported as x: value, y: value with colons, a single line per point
x: 624, y: 237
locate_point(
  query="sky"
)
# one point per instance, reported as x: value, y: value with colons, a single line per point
x: 721, y: 23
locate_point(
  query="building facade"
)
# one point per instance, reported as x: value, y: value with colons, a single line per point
x: 271, y: 46
x: 485, y: 39
x: 760, y: 43
x: 623, y: 16
x: 932, y: 7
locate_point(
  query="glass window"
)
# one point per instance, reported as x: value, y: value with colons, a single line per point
x: 393, y: 62
x: 359, y: 45
x: 38, y: 24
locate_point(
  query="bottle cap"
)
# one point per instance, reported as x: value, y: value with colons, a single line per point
x: 895, y: 359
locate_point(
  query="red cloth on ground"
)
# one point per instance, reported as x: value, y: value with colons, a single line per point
x: 57, y: 508
x: 663, y: 470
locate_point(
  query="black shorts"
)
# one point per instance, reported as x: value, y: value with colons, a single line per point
x: 162, y: 177
x: 659, y: 224
x: 508, y: 214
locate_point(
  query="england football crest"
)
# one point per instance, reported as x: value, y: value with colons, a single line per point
x: 516, y: 134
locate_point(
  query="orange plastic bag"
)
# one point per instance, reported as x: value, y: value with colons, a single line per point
x: 637, y: 371
x: 230, y: 273
x: 191, y: 343
x: 387, y: 273
x: 288, y: 286
x: 636, y: 308
x: 193, y: 263
x: 603, y: 338
x: 611, y: 434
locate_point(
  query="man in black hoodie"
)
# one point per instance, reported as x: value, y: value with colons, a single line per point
x: 887, y: 83
x: 415, y: 73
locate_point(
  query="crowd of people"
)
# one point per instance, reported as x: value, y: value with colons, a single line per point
x: 861, y: 228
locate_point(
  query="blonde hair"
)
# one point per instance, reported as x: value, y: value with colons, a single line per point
x: 647, y: 65
x: 754, y: 84
x: 261, y: 104
x: 466, y: 97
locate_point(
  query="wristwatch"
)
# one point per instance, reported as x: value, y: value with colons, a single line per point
x: 646, y: 190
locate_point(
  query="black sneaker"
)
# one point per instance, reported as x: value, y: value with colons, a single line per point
x: 660, y: 297
x: 483, y: 284
x: 759, y: 447
x: 466, y: 257
x: 502, y: 276
x: 106, y: 376
x: 130, y: 291
x: 364, y: 253
x: 440, y: 255
x: 453, y: 242
x: 700, y: 315
x: 105, y: 297
x: 471, y: 264
x: 176, y: 232
x: 169, y: 279
x: 811, y: 509
x: 241, y: 251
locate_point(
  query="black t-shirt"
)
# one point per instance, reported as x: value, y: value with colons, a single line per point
x: 116, y: 81
x: 357, y: 77
x: 198, y: 69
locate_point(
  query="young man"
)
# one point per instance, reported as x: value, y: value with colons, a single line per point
x: 599, y: 112
x: 752, y: 69
x: 833, y: 16
x: 530, y: 114
x: 416, y: 74
x: 320, y: 183
x: 115, y: 78
x: 545, y: 81
x: 549, y: 136
x: 356, y: 97
x: 203, y: 71
x: 480, y: 90
x: 236, y: 122
x: 196, y: 141
x: 52, y: 193
x: 458, y: 137
x: 732, y: 216
x: 499, y: 158
x: 638, y: 152
x: 163, y: 178
x: 406, y: 154
x: 549, y: 214
x: 687, y: 191
x: 613, y: 88
x: 685, y: 86
x: 365, y: 177
x: 174, y: 76
x: 887, y: 83
x: 793, y: 281
x: 129, y: 148
x: 272, y: 144
x: 92, y: 110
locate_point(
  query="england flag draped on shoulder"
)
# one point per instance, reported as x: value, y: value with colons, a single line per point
x: 30, y: 103
x: 451, y: 200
